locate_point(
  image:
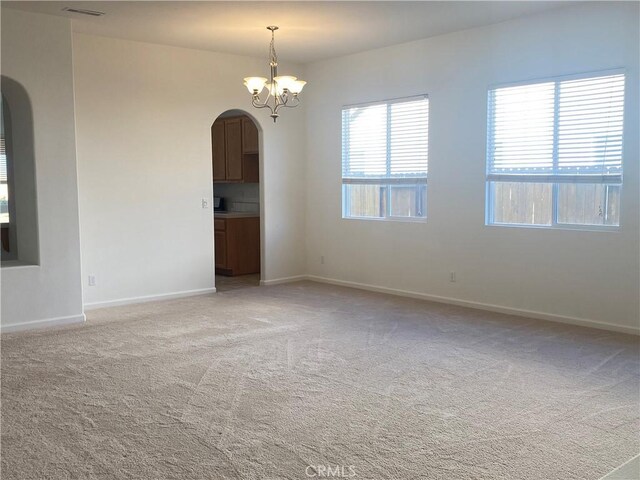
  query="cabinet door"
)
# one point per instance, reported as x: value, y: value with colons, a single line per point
x: 233, y: 144
x: 220, y: 242
x: 218, y: 151
x: 249, y: 136
x: 248, y: 238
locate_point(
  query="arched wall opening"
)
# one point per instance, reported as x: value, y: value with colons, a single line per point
x: 238, y: 194
x: 18, y: 212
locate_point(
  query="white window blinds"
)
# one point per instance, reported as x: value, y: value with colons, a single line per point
x: 3, y: 161
x: 386, y: 142
x: 557, y: 131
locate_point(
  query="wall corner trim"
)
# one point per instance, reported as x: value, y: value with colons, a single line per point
x: 43, y: 323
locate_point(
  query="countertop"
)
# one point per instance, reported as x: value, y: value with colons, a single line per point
x: 235, y: 215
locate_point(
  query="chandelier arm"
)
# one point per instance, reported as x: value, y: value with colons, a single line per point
x: 287, y: 105
x: 292, y: 105
x: 255, y: 102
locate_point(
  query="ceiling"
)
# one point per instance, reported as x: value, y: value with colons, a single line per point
x: 309, y: 30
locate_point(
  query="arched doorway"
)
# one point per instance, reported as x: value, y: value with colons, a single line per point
x: 236, y: 158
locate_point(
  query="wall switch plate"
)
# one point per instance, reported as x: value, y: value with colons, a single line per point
x: 452, y: 277
x: 92, y: 280
x: 205, y: 203
x: 321, y: 259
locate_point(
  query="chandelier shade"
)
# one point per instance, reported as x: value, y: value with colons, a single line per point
x: 255, y: 84
x: 282, y: 90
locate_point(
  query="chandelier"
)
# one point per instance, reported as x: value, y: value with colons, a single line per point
x: 282, y: 91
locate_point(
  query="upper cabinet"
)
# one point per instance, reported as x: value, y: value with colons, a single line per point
x: 235, y: 150
x: 249, y: 136
x: 219, y: 155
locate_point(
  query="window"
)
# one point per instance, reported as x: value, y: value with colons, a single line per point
x: 384, y: 159
x: 4, y: 178
x: 7, y: 218
x: 4, y: 185
x: 554, y: 152
x: 17, y: 178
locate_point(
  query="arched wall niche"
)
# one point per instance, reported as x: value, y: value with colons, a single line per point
x: 20, y: 234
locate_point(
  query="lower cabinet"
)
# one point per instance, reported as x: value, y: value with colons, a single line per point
x: 237, y: 245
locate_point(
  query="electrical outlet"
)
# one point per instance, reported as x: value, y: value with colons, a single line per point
x: 321, y: 259
x: 205, y: 203
x: 92, y: 280
x: 452, y: 277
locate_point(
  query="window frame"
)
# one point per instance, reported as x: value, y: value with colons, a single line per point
x: 388, y: 182
x: 489, y: 197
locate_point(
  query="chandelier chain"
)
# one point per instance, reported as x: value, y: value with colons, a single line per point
x: 273, y: 58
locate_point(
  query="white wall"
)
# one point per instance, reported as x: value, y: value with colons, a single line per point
x: 582, y: 275
x: 144, y: 114
x: 36, y: 52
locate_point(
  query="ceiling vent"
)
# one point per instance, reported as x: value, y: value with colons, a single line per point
x: 82, y: 11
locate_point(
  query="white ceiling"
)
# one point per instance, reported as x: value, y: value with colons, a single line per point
x: 309, y: 30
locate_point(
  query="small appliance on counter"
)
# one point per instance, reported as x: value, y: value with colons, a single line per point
x: 219, y: 204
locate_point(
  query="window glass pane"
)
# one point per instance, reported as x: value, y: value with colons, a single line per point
x: 364, y: 141
x: 522, y: 203
x: 4, y: 190
x: 588, y: 204
x: 409, y: 138
x: 590, y: 114
x: 521, y: 130
x: 4, y: 203
x: 408, y: 200
x: 365, y: 200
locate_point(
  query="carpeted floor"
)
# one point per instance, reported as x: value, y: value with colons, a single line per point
x: 285, y: 382
x: 224, y: 283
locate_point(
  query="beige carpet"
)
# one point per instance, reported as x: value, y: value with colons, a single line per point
x: 282, y: 382
x: 224, y: 283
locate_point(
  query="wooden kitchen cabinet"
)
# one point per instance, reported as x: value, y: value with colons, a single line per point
x: 218, y: 151
x: 249, y: 136
x: 235, y: 150
x: 237, y: 245
x: 220, y: 242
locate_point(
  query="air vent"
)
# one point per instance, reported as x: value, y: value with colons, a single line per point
x: 82, y: 11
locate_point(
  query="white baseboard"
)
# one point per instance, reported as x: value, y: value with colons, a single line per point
x: 148, y: 298
x: 278, y: 281
x: 480, y: 306
x: 627, y: 470
x: 44, y: 323
x: 58, y: 321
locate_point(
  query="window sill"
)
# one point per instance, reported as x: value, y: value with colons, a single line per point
x: 17, y: 264
x: 390, y: 219
x: 572, y: 228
